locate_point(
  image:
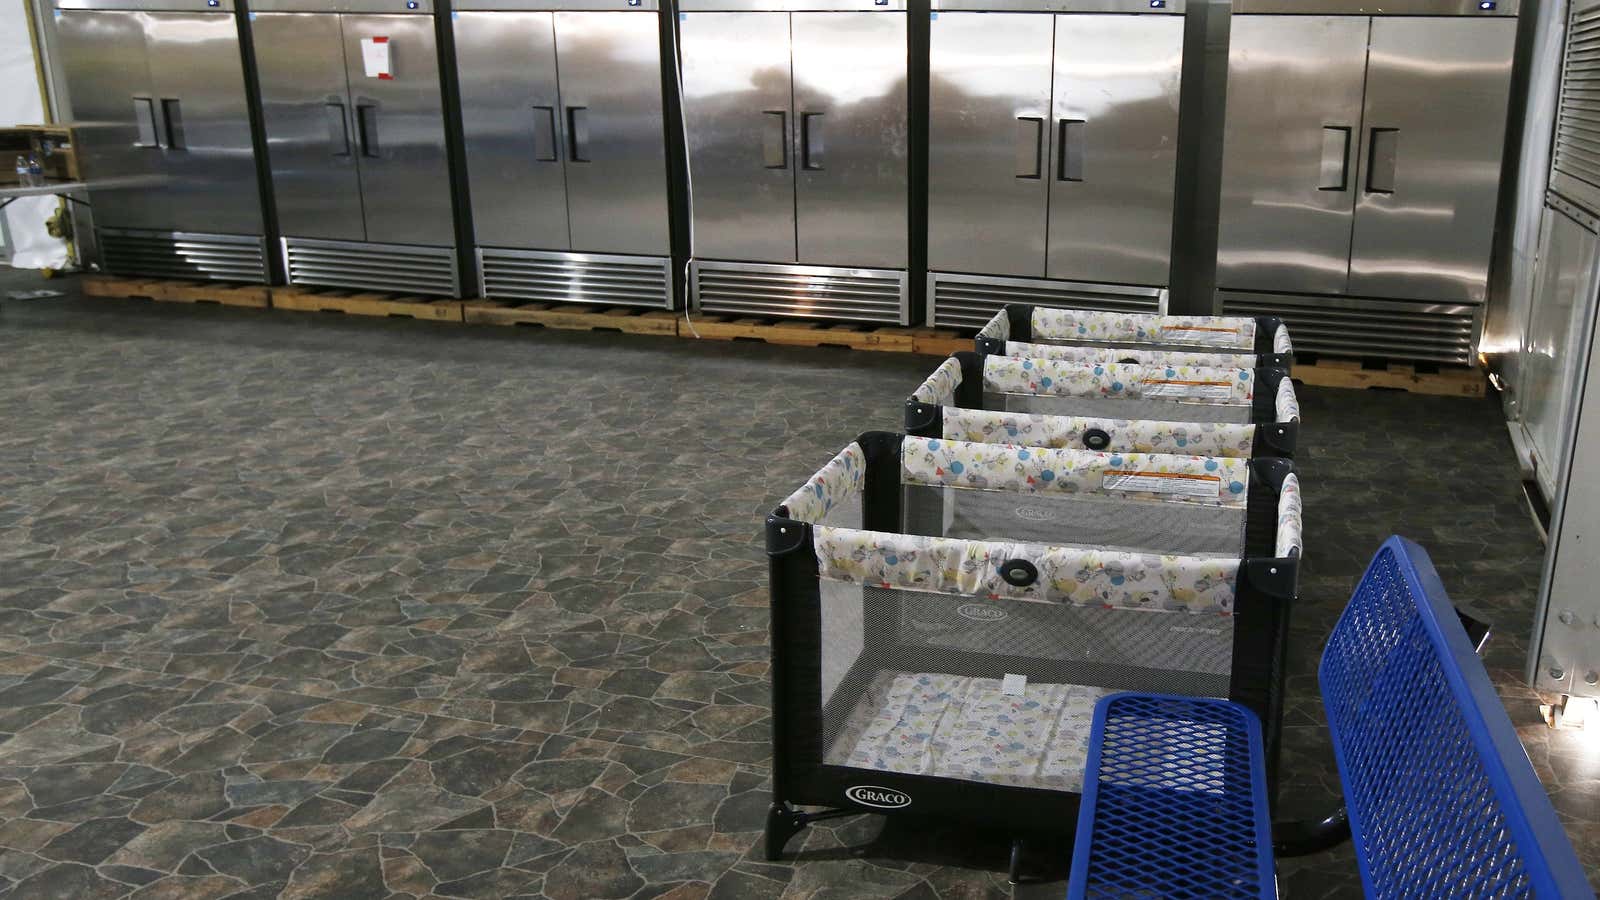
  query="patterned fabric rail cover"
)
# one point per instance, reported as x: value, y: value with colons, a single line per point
x: 1120, y: 381
x: 1232, y: 332
x: 1129, y: 435
x: 1205, y: 480
x: 1080, y: 577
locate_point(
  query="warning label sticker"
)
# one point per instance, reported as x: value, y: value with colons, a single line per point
x: 1209, y: 335
x: 1188, y: 390
x: 1179, y: 483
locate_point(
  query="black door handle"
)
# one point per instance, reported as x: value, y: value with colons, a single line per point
x: 775, y: 139
x: 811, y: 141
x: 338, y: 127
x: 367, y: 129
x: 1070, y: 167
x: 144, y: 118
x: 578, y: 133
x: 172, y: 117
x: 544, y: 134
x: 1030, y: 146
x: 1383, y: 151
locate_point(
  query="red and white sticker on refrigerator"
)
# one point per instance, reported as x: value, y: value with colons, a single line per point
x: 375, y: 57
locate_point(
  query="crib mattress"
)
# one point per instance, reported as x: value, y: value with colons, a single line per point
x: 961, y: 727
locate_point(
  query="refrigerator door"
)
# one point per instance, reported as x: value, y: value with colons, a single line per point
x: 738, y: 114
x: 851, y: 138
x: 988, y: 142
x: 108, y: 78
x: 615, y: 136
x: 398, y: 131
x: 511, y: 111
x: 1564, y: 291
x: 1428, y: 174
x: 1114, y: 157
x: 305, y: 105
x: 1288, y: 163
x: 198, y: 82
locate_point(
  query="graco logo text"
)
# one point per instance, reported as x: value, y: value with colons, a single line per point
x: 881, y: 797
x: 981, y: 613
x: 1035, y: 513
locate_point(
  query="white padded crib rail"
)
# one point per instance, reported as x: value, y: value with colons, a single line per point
x: 1132, y: 435
x: 1289, y: 519
x: 1119, y: 381
x: 1223, y: 332
x: 1077, y: 576
x: 1211, y: 481
x: 1288, y: 405
x: 838, y: 482
x: 1082, y: 353
x: 940, y: 387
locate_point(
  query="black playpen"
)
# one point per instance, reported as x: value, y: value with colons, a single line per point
x: 946, y: 614
x: 1127, y: 407
x: 1244, y: 342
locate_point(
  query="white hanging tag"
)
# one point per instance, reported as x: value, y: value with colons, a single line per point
x: 1013, y: 685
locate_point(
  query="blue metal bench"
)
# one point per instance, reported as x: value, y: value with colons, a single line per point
x: 1441, y: 798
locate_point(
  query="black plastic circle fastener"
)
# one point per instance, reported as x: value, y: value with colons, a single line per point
x: 1096, y: 439
x: 1019, y: 572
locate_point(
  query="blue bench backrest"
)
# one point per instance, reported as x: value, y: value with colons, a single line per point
x: 1441, y: 797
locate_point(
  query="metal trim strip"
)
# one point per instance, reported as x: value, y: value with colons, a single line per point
x: 1503, y: 8
x: 397, y: 7
x: 1141, y: 7
x: 202, y: 6
x: 792, y: 6
x: 840, y: 293
x: 558, y: 6
x: 612, y: 278
x: 421, y: 269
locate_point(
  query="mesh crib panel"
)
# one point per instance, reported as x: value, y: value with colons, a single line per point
x: 1117, y: 408
x: 920, y: 688
x: 1075, y: 520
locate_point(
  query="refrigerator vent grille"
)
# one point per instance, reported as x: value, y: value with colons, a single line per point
x: 1433, y: 332
x: 376, y: 267
x: 575, y: 278
x: 964, y: 301
x: 210, y: 257
x: 749, y: 289
x: 1577, y: 150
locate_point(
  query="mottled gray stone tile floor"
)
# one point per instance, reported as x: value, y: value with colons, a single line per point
x: 295, y: 605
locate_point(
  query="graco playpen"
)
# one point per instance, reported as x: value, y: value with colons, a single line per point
x: 1107, y: 406
x: 946, y: 614
x: 1084, y: 336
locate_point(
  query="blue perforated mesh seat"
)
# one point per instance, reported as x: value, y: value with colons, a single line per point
x: 1441, y: 797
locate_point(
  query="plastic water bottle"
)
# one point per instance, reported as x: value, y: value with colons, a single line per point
x: 35, y: 171
x: 24, y: 174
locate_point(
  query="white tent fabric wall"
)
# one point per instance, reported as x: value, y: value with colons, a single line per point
x: 31, y: 247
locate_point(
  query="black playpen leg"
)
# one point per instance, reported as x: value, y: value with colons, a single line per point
x: 784, y: 822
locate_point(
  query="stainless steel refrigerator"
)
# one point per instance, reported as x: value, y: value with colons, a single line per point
x: 796, y: 120
x: 1052, y: 154
x: 353, y: 105
x: 1361, y: 171
x: 158, y: 95
x: 561, y: 107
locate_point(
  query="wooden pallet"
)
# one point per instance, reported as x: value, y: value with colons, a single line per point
x: 801, y: 333
x: 573, y: 316
x: 164, y: 291
x: 940, y: 342
x: 366, y: 304
x: 1447, y: 381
